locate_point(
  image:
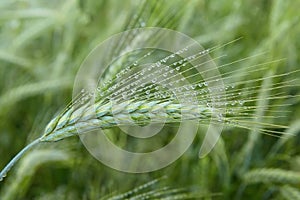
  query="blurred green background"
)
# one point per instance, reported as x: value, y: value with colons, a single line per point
x: 43, y: 43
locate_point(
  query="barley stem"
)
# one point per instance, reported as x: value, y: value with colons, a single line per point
x: 17, y: 157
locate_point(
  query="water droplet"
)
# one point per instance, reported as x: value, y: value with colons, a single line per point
x: 205, y: 83
x: 124, y: 95
x: 147, y: 92
x: 200, y: 85
x: 143, y: 24
x: 241, y: 102
x: 220, y: 117
x: 177, y: 68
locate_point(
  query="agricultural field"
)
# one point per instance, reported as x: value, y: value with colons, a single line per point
x: 230, y: 90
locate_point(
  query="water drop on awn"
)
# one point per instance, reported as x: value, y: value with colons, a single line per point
x: 143, y: 24
x: 241, y: 102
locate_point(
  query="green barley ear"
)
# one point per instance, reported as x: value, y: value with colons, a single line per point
x: 272, y: 176
x: 290, y: 193
x: 155, y: 98
x: 155, y: 190
x: 150, y: 99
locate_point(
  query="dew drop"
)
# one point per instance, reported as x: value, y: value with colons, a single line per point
x: 241, y: 102
x: 186, y: 88
x: 124, y: 95
x: 177, y: 68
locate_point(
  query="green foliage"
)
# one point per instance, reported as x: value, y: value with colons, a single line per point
x: 43, y: 43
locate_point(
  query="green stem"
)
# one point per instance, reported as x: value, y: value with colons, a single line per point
x: 17, y: 157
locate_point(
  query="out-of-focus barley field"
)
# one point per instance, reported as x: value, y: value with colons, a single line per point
x: 42, y: 45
